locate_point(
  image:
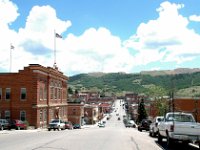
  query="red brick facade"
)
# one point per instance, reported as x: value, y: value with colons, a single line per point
x: 36, y: 94
x: 76, y: 113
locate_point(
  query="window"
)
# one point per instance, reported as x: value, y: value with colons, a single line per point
x: 7, y: 114
x: 23, y: 93
x: 45, y: 92
x: 45, y: 115
x: 23, y: 115
x: 52, y: 93
x: 74, y: 111
x: 8, y: 93
x: 41, y: 93
x: 0, y: 93
x: 41, y: 113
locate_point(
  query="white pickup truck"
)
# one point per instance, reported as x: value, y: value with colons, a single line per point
x: 177, y: 126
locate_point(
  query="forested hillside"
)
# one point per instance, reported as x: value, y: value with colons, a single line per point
x: 139, y: 83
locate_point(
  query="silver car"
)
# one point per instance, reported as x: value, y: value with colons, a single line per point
x: 153, y: 130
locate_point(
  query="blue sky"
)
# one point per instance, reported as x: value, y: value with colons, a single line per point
x: 100, y: 36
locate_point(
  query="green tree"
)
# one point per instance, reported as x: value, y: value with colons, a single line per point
x: 142, y: 114
x: 70, y: 91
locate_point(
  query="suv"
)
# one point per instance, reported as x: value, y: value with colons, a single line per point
x: 153, y: 131
x: 144, y: 125
x: 56, y: 124
x: 4, y: 124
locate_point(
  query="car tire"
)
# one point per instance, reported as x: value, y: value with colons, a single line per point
x: 18, y: 128
x: 153, y: 133
x: 150, y: 133
x: 59, y: 128
x: 2, y: 128
x: 159, y: 138
x: 170, y: 141
x: 49, y: 129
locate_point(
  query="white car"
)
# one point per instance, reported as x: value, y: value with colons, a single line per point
x: 153, y: 130
x: 131, y: 124
x: 56, y: 124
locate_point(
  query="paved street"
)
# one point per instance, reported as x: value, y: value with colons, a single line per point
x: 113, y: 137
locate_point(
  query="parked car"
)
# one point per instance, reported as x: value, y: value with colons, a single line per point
x: 77, y: 126
x: 178, y: 126
x: 68, y: 125
x: 130, y: 124
x: 144, y: 125
x: 101, y: 125
x: 4, y: 124
x: 1, y: 127
x: 56, y: 124
x: 153, y: 130
x: 17, y: 124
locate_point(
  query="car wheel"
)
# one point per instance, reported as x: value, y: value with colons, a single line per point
x: 159, y: 138
x: 59, y: 128
x: 49, y: 129
x: 2, y: 128
x: 150, y: 133
x: 18, y: 128
x: 169, y: 141
x: 153, y: 133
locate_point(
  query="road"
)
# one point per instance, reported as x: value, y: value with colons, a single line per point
x: 113, y: 137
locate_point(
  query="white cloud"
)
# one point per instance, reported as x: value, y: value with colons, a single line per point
x: 8, y: 12
x: 167, y: 38
x: 94, y: 50
x: 195, y: 18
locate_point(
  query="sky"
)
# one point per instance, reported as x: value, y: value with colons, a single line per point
x: 100, y: 36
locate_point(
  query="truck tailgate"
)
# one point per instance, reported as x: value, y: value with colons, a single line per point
x: 187, y: 128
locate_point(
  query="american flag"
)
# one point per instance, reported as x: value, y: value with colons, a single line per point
x: 11, y: 46
x: 58, y: 35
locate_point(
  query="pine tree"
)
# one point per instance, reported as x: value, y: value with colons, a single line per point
x: 142, y: 114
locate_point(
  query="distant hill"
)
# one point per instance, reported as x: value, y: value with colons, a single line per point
x: 172, y: 72
x: 152, y: 83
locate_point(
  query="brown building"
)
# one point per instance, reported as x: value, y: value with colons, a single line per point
x: 76, y: 113
x: 189, y: 105
x: 91, y: 114
x: 35, y: 94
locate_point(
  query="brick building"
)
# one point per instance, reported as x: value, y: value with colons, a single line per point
x: 91, y: 114
x: 35, y: 94
x: 76, y: 113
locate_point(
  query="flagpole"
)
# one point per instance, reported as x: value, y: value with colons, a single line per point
x: 11, y: 47
x: 54, y: 49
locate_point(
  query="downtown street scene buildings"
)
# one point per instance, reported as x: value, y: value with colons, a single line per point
x: 38, y: 94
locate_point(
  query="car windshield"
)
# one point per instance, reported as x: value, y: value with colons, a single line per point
x: 180, y: 118
x: 54, y: 121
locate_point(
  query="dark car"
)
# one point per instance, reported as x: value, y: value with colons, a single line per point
x: 4, y: 124
x: 144, y: 125
x: 77, y: 126
x: 17, y: 124
x: 1, y: 127
x: 68, y: 125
